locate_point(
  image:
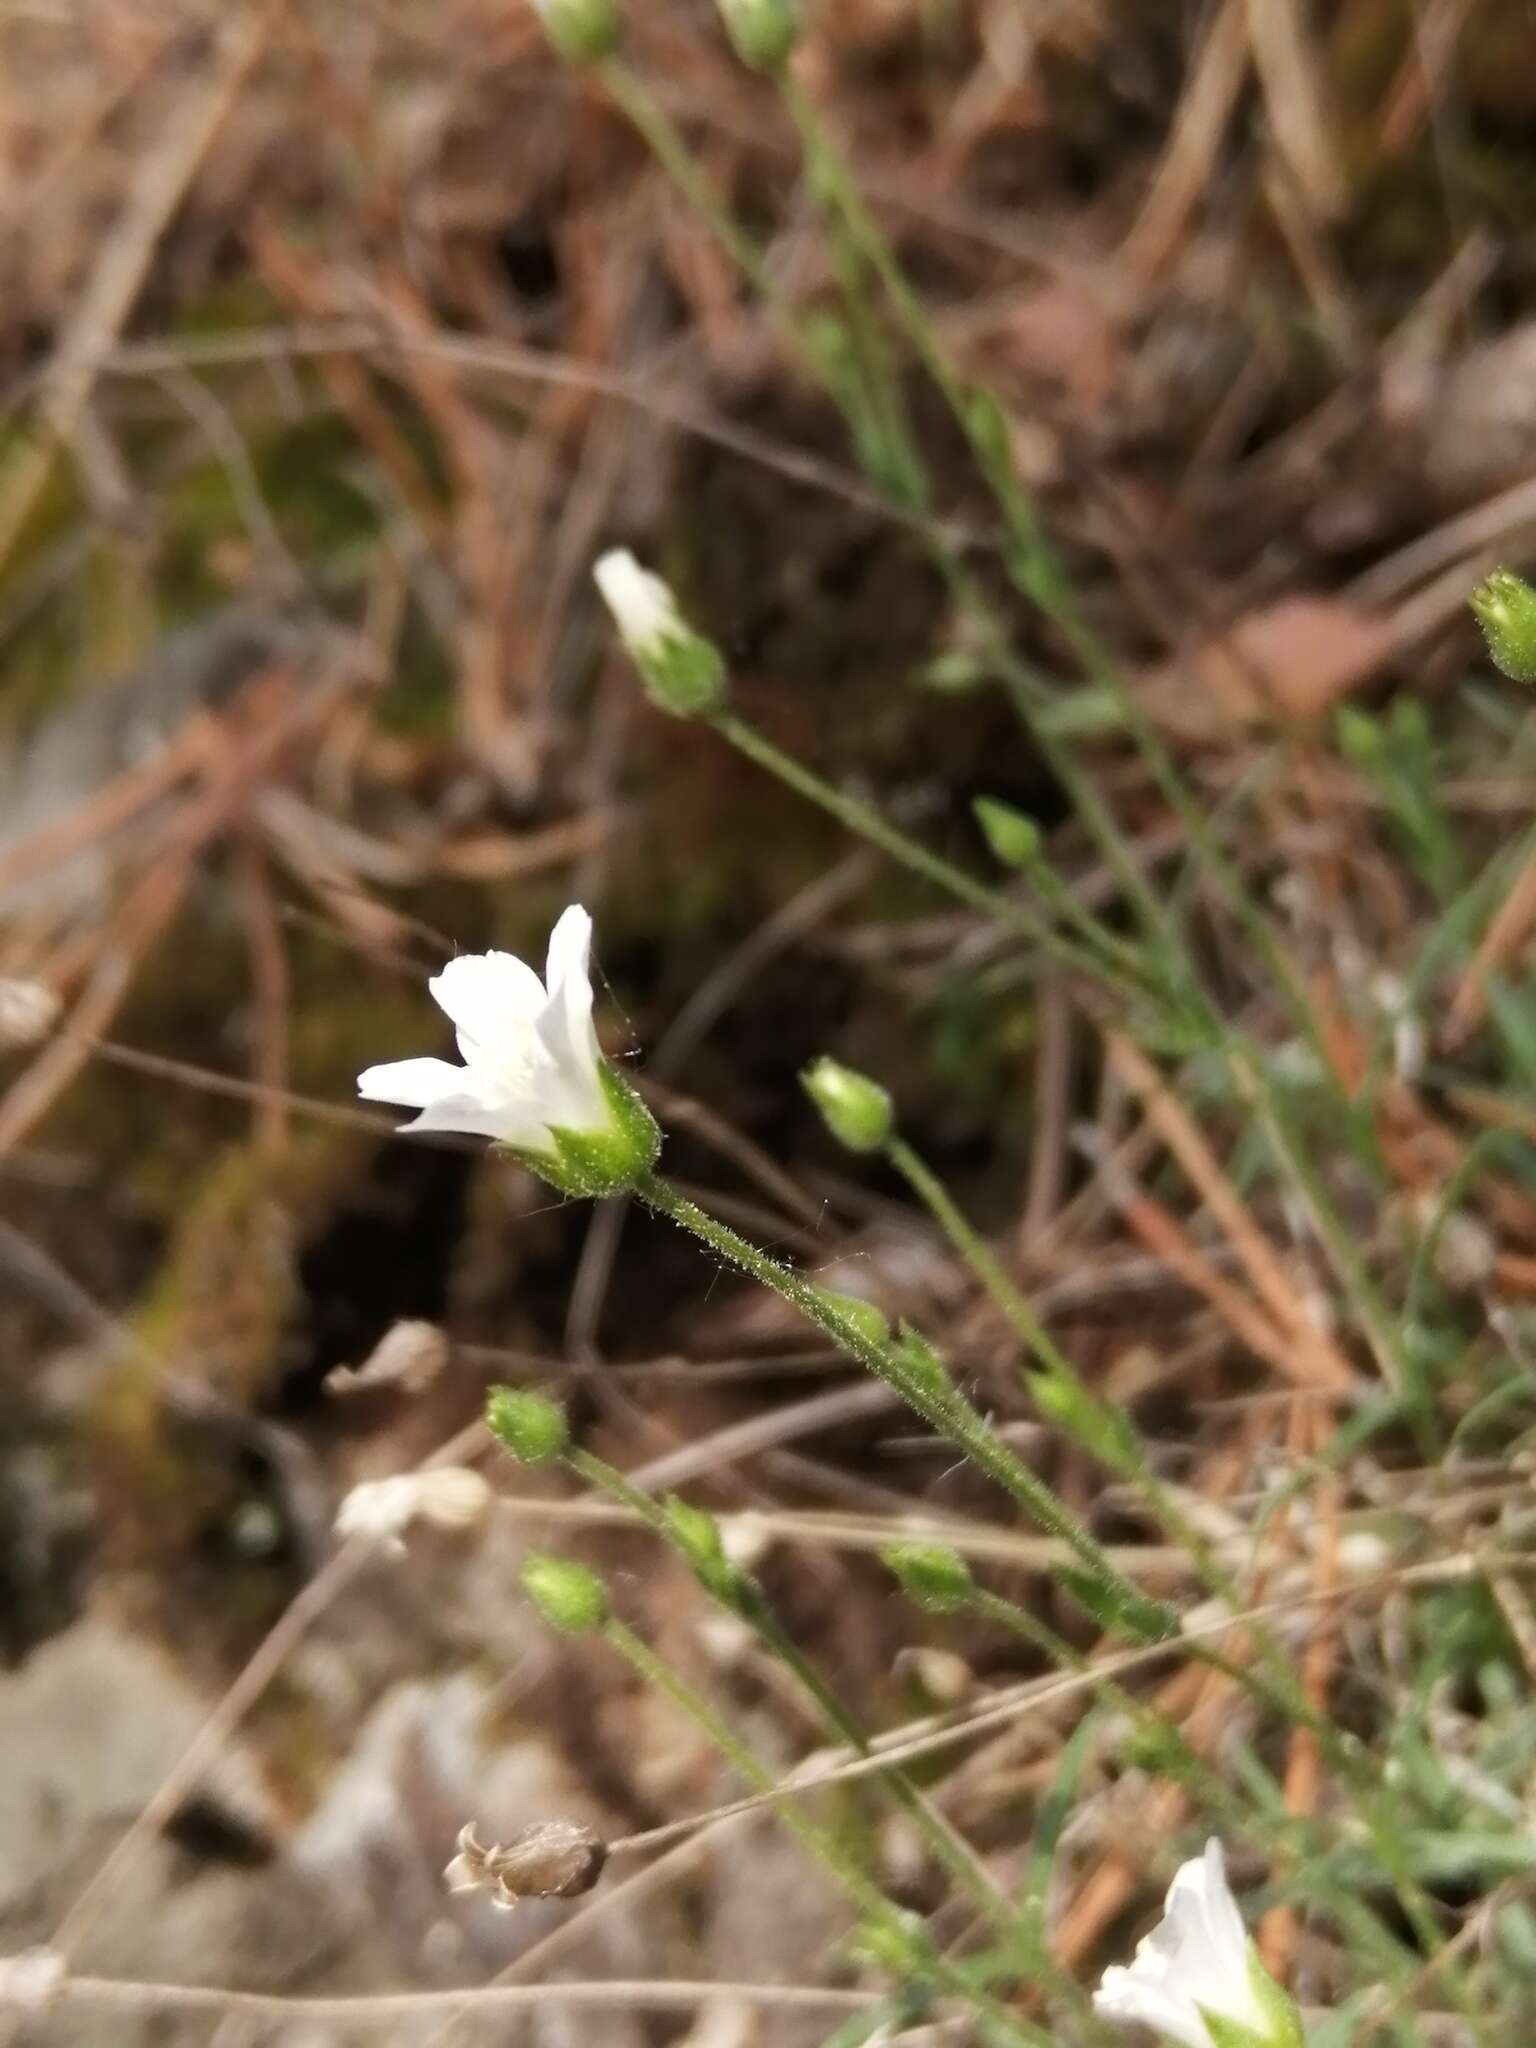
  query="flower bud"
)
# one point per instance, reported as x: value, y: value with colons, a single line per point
x: 932, y: 1574
x: 1505, y: 607
x: 569, y: 1596
x: 695, y: 1534
x: 857, y: 1111
x: 530, y: 1426
x: 868, y: 1322
x: 682, y: 671
x: 918, y: 1364
x: 762, y: 32
x: 1013, y: 838
x: 582, y: 31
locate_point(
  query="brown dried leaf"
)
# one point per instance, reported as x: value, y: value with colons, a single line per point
x: 1292, y: 659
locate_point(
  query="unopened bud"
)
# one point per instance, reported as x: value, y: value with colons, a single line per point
x: 582, y: 31
x: 695, y: 1533
x: 1505, y: 607
x: 762, y: 32
x: 869, y: 1323
x: 1013, y: 838
x: 932, y: 1574
x: 918, y: 1364
x: 531, y: 1426
x: 857, y: 1111
x: 569, y: 1596
x: 682, y: 671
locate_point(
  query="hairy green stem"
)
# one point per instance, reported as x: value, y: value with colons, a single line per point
x: 819, y: 1841
x: 936, y: 1399
x: 753, y: 1607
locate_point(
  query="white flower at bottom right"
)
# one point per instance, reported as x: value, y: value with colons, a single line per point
x: 1198, y: 1967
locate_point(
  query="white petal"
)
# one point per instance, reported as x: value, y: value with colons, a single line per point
x: 569, y: 978
x: 511, y: 1122
x: 412, y: 1083
x: 1223, y: 1920
x: 492, y: 998
x: 1125, y: 1995
x: 643, y: 608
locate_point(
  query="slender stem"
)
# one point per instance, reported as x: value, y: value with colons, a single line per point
x: 752, y: 1606
x: 867, y: 1896
x: 978, y: 1254
x: 863, y: 819
x: 935, y: 1398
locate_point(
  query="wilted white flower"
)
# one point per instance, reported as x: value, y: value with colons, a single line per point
x: 533, y: 1076
x: 28, y: 1012
x: 553, y: 1859
x: 1198, y: 1966
x: 31, y: 1981
x: 446, y: 1496
x: 682, y: 670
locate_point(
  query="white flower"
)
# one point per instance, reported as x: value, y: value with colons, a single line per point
x: 1197, y: 1960
x: 643, y: 607
x: 531, y: 1057
x: 446, y: 1496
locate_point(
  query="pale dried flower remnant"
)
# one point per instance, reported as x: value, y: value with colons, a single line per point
x: 443, y: 1496
x: 407, y: 1359
x: 1196, y: 1978
x: 28, y: 1012
x: 31, y: 1981
x: 553, y: 1859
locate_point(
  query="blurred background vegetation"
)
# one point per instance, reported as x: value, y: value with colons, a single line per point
x: 337, y: 341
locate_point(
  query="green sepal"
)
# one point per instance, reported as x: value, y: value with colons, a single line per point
x: 1105, y: 1432
x: 868, y: 1323
x: 684, y: 674
x: 915, y: 1363
x: 1285, y: 2030
x: 589, y: 1164
x: 932, y: 1574
x: 1505, y: 607
x: 695, y: 1534
x: 1227, y: 2033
